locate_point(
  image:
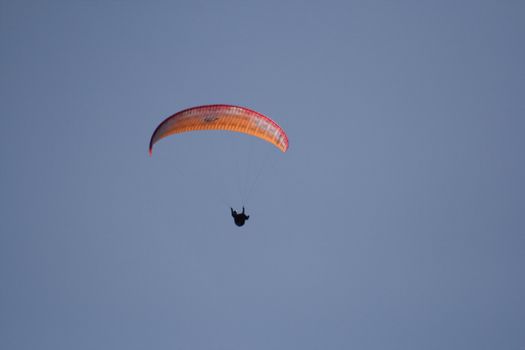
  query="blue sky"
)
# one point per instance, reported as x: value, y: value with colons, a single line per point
x: 394, y: 221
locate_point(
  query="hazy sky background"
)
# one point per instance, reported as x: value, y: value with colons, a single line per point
x: 394, y: 221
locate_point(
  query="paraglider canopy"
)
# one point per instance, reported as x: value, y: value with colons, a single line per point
x: 222, y: 117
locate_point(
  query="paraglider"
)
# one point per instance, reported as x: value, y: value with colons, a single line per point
x: 239, y: 218
x: 222, y: 117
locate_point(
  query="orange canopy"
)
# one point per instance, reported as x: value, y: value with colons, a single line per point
x: 222, y: 117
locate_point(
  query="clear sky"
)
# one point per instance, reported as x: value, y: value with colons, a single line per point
x: 394, y: 221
